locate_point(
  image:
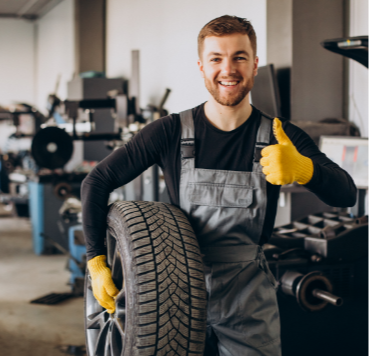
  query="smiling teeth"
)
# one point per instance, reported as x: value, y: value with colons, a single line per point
x: 228, y: 83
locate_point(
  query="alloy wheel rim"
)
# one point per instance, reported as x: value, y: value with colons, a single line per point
x: 105, y: 333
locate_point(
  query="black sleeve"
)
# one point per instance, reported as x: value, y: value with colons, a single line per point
x: 149, y: 146
x: 330, y: 183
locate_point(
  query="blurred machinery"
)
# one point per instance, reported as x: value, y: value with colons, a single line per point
x: 321, y: 260
x: 99, y: 116
x: 19, y: 125
x: 47, y: 157
x: 319, y: 254
x: 52, y: 148
x: 321, y: 265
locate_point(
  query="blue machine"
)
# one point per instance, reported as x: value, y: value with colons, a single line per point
x: 36, y: 208
x: 44, y: 205
x: 77, y: 261
x: 52, y: 233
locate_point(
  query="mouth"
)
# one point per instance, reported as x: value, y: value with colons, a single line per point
x: 229, y: 84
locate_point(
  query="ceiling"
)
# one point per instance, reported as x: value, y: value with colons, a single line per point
x: 27, y: 9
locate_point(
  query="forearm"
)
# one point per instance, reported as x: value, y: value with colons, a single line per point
x: 333, y: 186
x: 114, y: 171
x: 95, y: 196
x: 329, y: 182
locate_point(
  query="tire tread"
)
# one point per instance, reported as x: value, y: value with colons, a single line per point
x: 169, y: 278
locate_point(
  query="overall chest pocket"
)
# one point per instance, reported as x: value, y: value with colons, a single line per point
x: 229, y: 196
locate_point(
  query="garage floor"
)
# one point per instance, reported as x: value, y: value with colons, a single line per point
x: 34, y: 329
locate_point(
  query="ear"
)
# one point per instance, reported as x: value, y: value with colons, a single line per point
x: 256, y: 63
x: 201, y: 68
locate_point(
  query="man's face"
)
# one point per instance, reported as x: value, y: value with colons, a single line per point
x: 228, y: 66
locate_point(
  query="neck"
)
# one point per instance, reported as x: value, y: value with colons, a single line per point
x: 227, y: 118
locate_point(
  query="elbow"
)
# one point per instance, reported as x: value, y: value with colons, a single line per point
x: 95, y: 186
x: 344, y: 199
x: 349, y: 198
x: 352, y: 198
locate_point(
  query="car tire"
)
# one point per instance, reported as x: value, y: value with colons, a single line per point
x: 156, y: 263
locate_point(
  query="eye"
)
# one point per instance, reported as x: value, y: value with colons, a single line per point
x: 215, y: 60
x: 240, y: 59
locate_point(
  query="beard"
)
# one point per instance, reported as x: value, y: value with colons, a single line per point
x: 231, y: 100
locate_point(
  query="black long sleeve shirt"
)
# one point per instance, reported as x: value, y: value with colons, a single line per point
x: 159, y: 142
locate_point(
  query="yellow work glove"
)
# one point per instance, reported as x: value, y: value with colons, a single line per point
x: 103, y: 286
x: 282, y: 163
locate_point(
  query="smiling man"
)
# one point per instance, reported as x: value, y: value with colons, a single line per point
x: 211, y: 159
x: 228, y: 65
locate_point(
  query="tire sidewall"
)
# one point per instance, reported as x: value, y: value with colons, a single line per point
x: 125, y: 248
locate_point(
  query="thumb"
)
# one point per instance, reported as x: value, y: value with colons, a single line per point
x: 110, y: 288
x: 279, y: 133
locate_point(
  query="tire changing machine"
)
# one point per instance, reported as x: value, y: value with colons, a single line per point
x: 320, y: 263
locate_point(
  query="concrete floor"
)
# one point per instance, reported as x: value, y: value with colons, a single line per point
x: 34, y: 329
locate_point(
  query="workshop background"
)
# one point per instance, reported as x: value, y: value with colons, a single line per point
x: 111, y: 67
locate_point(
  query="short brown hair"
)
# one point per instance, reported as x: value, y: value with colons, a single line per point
x: 226, y: 25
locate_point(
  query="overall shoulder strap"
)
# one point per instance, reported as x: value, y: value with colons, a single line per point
x: 262, y: 139
x: 187, y: 139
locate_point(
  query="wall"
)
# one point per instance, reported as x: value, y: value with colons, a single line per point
x: 55, y: 52
x: 279, y: 33
x: 16, y: 61
x: 358, y: 80
x: 166, y: 32
x: 33, y: 54
x: 17, y: 64
x: 279, y: 48
x: 317, y: 74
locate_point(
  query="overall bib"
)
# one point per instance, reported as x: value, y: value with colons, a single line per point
x: 227, y: 211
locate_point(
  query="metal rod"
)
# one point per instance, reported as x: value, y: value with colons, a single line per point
x: 97, y: 103
x: 96, y: 136
x: 164, y: 99
x: 328, y: 297
x: 74, y: 128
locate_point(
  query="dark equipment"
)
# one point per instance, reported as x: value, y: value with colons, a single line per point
x: 322, y: 259
x: 322, y: 262
x: 62, y: 190
x: 52, y: 298
x: 313, y: 291
x: 352, y: 47
x: 8, y: 162
x: 265, y: 93
x: 52, y: 147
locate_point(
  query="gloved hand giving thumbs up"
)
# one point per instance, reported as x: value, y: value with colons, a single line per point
x: 103, y: 286
x: 282, y: 163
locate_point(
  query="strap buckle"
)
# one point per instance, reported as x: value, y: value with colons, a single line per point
x: 257, y: 152
x: 188, y: 148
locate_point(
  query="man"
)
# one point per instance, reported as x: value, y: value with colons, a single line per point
x: 211, y: 158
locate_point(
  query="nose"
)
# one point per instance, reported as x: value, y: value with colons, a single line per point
x: 228, y: 67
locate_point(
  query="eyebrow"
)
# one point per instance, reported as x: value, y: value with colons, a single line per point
x: 241, y: 52
x: 235, y: 54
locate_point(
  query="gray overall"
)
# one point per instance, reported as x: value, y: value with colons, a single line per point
x: 227, y: 211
